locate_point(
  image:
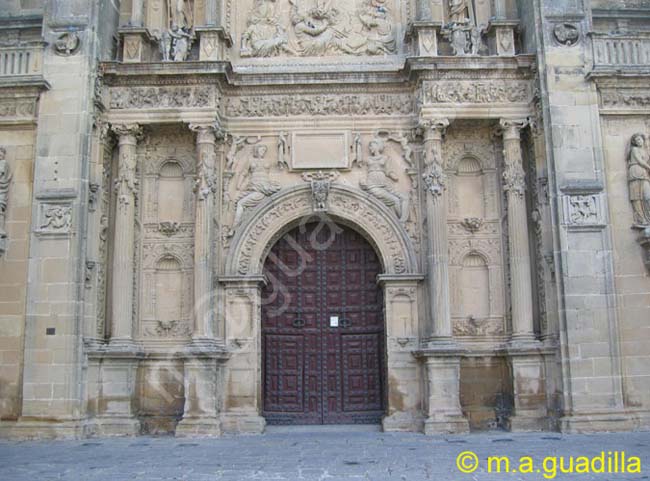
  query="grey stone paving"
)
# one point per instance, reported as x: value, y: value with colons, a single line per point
x: 304, y: 455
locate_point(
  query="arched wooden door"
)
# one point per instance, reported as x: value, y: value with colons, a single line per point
x: 323, y: 329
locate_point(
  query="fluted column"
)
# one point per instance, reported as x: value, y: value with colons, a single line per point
x: 204, y: 189
x: 122, y: 286
x: 435, y: 183
x: 514, y: 184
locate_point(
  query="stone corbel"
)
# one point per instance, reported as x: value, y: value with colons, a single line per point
x: 501, y: 37
x: 425, y: 36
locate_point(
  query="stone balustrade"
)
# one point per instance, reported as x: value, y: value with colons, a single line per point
x: 621, y: 50
x: 21, y: 61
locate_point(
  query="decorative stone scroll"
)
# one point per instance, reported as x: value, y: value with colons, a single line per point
x: 319, y: 105
x: 5, y: 180
x: 249, y: 245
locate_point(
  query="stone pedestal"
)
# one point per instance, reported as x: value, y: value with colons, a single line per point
x: 136, y: 44
x: 501, y: 37
x: 203, y: 394
x: 442, y: 398
x: 117, y: 387
x: 213, y: 43
x: 529, y: 388
x: 425, y: 35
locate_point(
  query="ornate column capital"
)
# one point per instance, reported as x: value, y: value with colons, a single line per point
x: 128, y: 133
x: 208, y: 132
x: 511, y: 129
x: 434, y: 128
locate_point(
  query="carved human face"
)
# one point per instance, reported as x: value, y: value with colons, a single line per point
x: 638, y: 140
x: 260, y: 151
x: 376, y: 147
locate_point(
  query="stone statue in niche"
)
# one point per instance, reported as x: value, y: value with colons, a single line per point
x: 458, y: 11
x: 465, y: 37
x: 176, y: 41
x: 639, y: 180
x: 380, y: 180
x: 264, y: 36
x: 5, y: 179
x: 255, y: 183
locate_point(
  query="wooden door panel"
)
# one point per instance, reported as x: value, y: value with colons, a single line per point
x: 315, y: 373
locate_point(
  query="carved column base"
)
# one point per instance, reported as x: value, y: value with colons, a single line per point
x: 442, y: 371
x: 136, y: 44
x: 203, y: 394
x: 243, y: 423
x: 403, y: 422
x: 501, y: 37
x: 115, y: 395
x: 529, y: 384
x: 213, y: 42
x: 426, y: 38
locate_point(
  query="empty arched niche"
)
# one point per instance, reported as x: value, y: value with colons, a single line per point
x: 169, y: 289
x: 474, y: 286
x: 171, y: 193
x: 470, y: 185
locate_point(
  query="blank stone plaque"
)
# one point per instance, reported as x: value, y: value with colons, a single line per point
x: 320, y: 150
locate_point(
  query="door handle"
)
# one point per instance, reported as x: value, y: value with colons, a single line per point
x: 298, y: 323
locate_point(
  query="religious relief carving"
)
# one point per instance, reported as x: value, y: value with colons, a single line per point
x: 162, y: 97
x: 502, y: 91
x: 169, y: 229
x: 472, y: 327
x: 639, y: 180
x: 380, y: 179
x: 320, y: 188
x: 67, y: 44
x: 55, y: 219
x: 464, y: 36
x: 583, y: 210
x: 255, y: 183
x: 5, y: 180
x: 319, y: 105
x: 318, y: 28
x: 264, y: 35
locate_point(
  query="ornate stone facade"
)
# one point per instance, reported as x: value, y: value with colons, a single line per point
x: 504, y: 186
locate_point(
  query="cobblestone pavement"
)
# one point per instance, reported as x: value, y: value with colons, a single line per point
x: 305, y: 455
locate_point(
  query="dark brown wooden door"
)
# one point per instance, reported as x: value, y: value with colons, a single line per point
x: 313, y: 371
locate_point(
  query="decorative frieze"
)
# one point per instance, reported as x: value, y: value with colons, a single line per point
x: 197, y: 96
x: 472, y: 327
x: 477, y: 92
x: 319, y: 105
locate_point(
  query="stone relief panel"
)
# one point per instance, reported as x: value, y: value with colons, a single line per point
x: 157, y: 98
x: 317, y: 28
x: 477, y: 92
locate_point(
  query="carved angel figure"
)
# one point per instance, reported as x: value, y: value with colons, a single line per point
x: 380, y: 179
x: 255, y: 183
x: 639, y: 180
x: 264, y: 36
x: 5, y: 179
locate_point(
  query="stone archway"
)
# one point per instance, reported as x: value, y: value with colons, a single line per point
x: 243, y: 283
